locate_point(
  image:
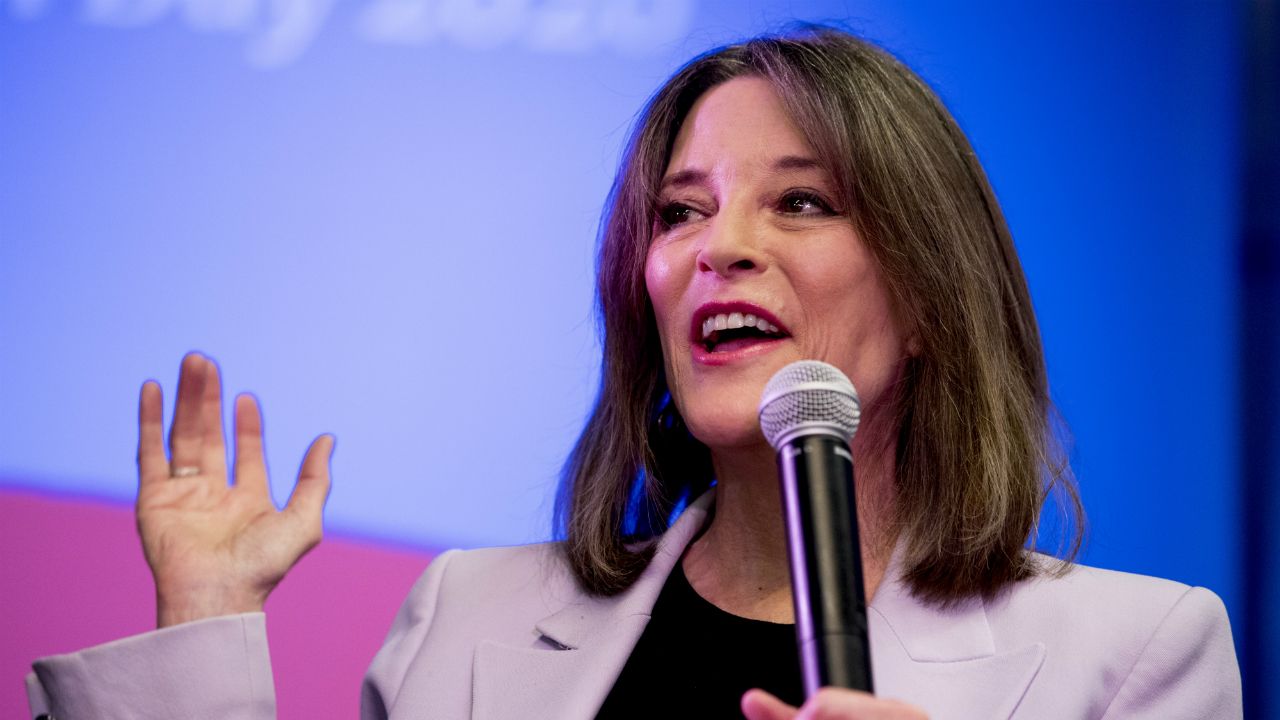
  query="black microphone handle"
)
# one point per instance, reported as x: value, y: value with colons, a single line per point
x: 826, y: 562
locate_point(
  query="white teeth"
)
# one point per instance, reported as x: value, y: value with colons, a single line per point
x: 736, y: 320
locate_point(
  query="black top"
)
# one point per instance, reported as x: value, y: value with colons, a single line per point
x: 695, y: 660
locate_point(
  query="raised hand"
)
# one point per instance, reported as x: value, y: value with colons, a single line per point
x: 216, y: 548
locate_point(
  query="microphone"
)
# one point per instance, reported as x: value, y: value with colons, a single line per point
x: 809, y: 412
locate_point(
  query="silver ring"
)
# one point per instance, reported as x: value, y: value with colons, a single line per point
x: 186, y: 471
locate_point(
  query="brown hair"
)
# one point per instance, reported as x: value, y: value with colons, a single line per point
x: 976, y: 451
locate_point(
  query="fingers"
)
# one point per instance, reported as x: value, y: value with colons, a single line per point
x: 186, y: 437
x: 153, y: 464
x: 306, y: 503
x: 760, y: 705
x: 837, y: 703
x: 214, y: 460
x: 829, y: 704
x: 251, y: 465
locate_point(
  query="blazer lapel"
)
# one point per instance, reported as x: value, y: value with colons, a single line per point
x: 945, y: 660
x: 582, y: 648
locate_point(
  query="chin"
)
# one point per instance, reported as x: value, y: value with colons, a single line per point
x: 731, y: 423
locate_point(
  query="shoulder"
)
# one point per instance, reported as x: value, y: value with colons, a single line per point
x: 1133, y: 639
x: 500, y: 579
x: 463, y: 599
x: 1101, y: 595
x: 1090, y: 606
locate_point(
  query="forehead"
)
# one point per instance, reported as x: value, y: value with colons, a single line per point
x: 737, y: 123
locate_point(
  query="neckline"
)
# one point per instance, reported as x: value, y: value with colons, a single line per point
x: 680, y: 590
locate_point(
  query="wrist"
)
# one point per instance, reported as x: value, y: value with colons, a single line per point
x: 175, y: 608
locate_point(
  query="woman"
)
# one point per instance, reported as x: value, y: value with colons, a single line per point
x: 787, y: 198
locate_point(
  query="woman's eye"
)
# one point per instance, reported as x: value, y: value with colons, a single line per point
x: 804, y: 203
x: 674, y: 214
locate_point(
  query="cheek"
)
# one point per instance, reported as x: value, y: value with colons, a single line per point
x: 660, y: 282
x: 663, y: 286
x: 860, y: 333
x: 666, y: 280
x: 656, y: 276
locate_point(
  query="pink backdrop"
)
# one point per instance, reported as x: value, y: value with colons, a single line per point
x: 73, y: 576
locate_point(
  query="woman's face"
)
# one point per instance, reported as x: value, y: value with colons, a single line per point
x: 754, y: 264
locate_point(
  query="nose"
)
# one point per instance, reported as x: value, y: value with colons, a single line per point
x: 730, y: 246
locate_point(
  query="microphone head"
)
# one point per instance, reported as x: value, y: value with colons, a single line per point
x: 808, y: 397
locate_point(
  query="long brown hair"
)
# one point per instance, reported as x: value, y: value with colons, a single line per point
x: 977, y: 453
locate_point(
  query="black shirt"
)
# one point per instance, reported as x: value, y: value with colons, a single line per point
x: 695, y: 660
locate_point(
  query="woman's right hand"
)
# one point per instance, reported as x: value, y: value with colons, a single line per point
x: 829, y: 703
x: 217, y: 548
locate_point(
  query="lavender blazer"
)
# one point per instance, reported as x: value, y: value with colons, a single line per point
x: 505, y: 633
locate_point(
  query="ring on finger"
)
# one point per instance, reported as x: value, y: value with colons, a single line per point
x: 184, y: 471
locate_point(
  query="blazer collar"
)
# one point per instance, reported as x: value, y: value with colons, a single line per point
x: 595, y: 618
x: 943, y: 660
x: 926, y: 633
x: 585, y: 644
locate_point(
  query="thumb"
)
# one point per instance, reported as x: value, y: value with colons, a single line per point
x: 306, y: 503
x: 760, y: 705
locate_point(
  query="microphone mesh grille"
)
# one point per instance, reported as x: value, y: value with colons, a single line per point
x: 808, y: 394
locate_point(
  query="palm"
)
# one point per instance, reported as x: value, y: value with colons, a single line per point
x: 213, y: 547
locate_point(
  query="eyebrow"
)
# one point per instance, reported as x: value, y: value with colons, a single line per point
x: 683, y: 178
x: 693, y: 176
x: 796, y: 162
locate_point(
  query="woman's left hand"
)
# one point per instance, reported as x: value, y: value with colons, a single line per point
x: 829, y: 704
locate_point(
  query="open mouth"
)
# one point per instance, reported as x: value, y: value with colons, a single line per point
x: 729, y: 331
